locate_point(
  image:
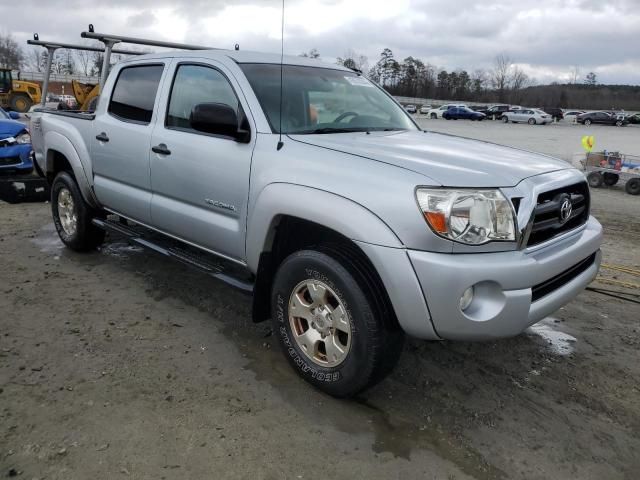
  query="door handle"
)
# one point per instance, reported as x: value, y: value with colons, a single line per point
x: 161, y: 149
x: 102, y: 137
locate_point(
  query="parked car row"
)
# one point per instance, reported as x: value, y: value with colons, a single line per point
x: 517, y: 114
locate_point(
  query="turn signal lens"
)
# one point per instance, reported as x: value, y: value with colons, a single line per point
x: 437, y: 221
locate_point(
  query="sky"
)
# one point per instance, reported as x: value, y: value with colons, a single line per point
x: 546, y: 38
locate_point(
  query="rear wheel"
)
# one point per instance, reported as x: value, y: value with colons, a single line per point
x: 595, y: 179
x: 633, y: 186
x: 433, y: 116
x: 619, y: 123
x: 332, y: 321
x: 610, y: 179
x: 72, y: 215
x: 20, y: 102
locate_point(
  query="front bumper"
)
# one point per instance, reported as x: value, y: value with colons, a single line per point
x: 503, y: 282
x: 16, y: 159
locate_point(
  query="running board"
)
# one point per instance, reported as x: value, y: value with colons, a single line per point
x: 208, y: 263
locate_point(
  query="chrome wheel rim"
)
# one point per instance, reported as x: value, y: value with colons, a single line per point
x: 67, y: 212
x: 320, y: 324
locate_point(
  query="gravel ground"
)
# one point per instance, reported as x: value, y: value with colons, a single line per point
x: 562, y: 139
x: 122, y: 364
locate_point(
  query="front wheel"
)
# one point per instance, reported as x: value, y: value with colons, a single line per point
x: 619, y: 123
x: 20, y: 103
x: 333, y: 322
x: 532, y: 121
x: 433, y: 116
x: 72, y: 215
x: 595, y: 179
x: 587, y: 122
x: 505, y: 119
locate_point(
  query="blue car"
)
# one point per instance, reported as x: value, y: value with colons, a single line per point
x: 455, y: 113
x: 15, y: 145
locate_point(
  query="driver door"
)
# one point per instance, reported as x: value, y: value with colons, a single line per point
x: 200, y: 181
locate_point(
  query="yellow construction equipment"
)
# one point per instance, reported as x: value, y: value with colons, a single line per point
x: 17, y: 95
x: 86, y: 94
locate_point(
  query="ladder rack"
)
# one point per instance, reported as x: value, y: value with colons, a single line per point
x: 111, y: 40
x: 53, y: 46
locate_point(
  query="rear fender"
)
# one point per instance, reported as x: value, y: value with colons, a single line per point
x: 79, y: 161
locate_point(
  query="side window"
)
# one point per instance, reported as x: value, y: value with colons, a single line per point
x: 135, y: 93
x: 195, y: 84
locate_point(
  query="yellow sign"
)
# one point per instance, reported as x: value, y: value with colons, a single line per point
x: 588, y: 142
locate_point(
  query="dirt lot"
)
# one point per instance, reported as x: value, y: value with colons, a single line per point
x: 122, y: 364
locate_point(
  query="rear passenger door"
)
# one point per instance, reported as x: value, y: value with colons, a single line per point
x: 201, y: 188
x: 120, y: 147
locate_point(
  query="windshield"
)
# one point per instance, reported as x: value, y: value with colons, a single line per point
x: 323, y: 100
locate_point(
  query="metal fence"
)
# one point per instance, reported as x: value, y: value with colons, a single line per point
x: 55, y: 77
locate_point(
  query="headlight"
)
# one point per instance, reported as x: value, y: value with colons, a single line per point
x: 23, y: 138
x: 473, y: 217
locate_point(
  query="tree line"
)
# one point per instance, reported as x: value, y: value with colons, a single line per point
x: 64, y: 61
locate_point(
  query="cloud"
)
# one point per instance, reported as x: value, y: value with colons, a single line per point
x: 545, y: 37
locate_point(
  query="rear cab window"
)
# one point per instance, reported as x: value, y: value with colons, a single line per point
x: 134, y: 93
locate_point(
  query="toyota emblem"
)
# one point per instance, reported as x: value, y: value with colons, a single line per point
x: 565, y: 210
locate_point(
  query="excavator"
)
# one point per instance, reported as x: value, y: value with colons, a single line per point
x: 17, y: 95
x: 86, y: 95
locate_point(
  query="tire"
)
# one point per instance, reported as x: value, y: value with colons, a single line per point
x: 531, y: 121
x: 434, y: 116
x: 72, y: 215
x: 20, y: 102
x: 374, y: 342
x: 505, y: 119
x: 633, y: 186
x: 595, y: 179
x: 610, y: 179
x: 587, y: 122
x: 619, y: 123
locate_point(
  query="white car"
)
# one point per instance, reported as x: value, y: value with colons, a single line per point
x: 437, y: 112
x: 424, y: 109
x: 532, y: 116
x: 571, y: 115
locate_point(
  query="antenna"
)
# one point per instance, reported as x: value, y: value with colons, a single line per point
x: 280, y: 144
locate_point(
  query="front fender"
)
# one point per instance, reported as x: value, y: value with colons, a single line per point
x: 56, y: 142
x: 324, y: 208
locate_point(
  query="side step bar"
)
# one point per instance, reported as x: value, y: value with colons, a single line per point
x: 171, y: 248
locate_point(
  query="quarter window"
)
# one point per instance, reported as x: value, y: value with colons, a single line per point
x: 135, y: 93
x: 196, y: 84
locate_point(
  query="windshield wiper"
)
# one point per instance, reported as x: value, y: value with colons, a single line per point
x: 331, y: 130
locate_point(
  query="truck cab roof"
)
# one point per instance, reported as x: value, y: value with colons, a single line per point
x: 239, y: 56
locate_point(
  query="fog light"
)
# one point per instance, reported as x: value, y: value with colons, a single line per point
x: 466, y: 298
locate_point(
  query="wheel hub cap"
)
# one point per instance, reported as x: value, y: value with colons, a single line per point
x: 67, y: 212
x: 320, y: 324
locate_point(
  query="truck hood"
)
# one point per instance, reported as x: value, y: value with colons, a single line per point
x: 447, y: 160
x: 10, y: 128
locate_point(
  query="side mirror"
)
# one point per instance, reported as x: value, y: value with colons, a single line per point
x: 14, y: 115
x: 219, y: 119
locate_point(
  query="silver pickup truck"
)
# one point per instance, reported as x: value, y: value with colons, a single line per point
x: 348, y: 224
